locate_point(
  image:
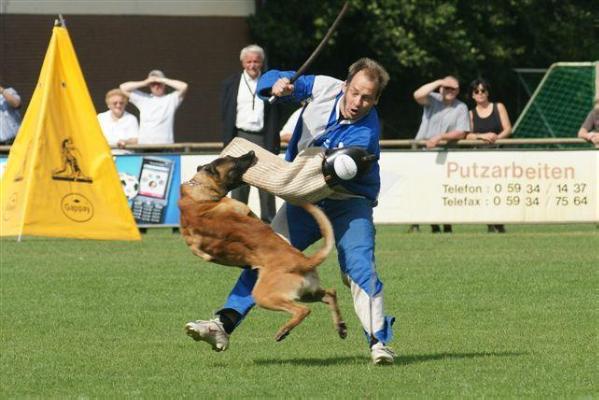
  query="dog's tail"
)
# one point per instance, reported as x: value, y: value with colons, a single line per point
x: 326, y: 229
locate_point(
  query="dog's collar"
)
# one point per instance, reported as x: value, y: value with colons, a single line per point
x: 193, y: 182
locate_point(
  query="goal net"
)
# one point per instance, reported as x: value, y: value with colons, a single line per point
x: 560, y: 103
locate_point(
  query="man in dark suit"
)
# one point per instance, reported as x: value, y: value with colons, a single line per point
x: 245, y: 115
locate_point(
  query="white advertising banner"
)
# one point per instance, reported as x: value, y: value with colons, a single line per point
x: 477, y: 186
x: 489, y: 187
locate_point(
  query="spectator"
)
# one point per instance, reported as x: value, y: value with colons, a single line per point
x: 119, y: 127
x: 247, y: 116
x: 489, y: 122
x: 444, y: 118
x: 289, y: 127
x: 340, y: 114
x: 156, y: 109
x: 10, y: 116
x: 589, y: 130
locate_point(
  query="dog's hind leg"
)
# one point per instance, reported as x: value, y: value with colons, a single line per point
x: 329, y: 297
x: 297, y: 311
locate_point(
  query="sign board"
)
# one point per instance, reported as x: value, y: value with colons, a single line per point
x: 477, y: 187
x: 489, y: 187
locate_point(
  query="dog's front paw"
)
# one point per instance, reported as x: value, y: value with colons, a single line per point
x: 342, y: 330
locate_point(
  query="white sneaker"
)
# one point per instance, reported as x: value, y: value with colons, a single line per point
x: 210, y: 331
x: 381, y: 354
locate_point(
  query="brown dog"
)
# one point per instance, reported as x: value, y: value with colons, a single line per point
x: 225, y: 231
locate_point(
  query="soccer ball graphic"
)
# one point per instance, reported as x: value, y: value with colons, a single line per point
x: 130, y: 185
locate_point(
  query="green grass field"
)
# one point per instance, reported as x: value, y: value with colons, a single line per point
x: 478, y: 316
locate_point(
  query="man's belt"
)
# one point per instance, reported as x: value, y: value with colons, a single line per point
x: 251, y: 132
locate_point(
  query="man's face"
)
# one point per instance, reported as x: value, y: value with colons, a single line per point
x: 450, y: 89
x: 252, y: 64
x: 157, y: 88
x: 360, y: 95
x: 116, y: 104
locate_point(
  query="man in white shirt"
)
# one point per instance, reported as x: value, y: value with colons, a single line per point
x: 10, y: 116
x: 444, y: 117
x: 245, y: 115
x: 119, y: 127
x: 157, y: 108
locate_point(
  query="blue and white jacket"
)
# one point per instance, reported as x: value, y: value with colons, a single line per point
x: 320, y: 125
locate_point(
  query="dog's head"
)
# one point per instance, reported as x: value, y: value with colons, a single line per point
x: 214, y: 180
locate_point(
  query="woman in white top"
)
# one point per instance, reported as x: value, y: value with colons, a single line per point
x: 120, y: 128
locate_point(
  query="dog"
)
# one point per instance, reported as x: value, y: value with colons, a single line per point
x: 225, y: 231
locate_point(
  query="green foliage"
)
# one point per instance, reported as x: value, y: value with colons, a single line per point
x: 421, y: 40
x: 478, y: 316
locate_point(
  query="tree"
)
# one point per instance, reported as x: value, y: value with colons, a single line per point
x: 421, y: 40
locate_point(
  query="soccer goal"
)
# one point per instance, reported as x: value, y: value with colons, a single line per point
x: 560, y: 102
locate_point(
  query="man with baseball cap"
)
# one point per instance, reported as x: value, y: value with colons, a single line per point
x: 157, y: 108
x: 444, y: 118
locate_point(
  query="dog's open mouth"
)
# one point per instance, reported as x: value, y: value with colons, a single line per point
x: 191, y: 182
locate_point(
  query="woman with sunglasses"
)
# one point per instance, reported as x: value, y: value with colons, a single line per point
x: 488, y: 122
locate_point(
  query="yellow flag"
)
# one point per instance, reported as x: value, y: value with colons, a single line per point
x: 60, y: 179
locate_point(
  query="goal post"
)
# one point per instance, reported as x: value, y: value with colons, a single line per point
x: 561, y: 101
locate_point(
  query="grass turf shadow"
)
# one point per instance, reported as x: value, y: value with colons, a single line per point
x: 400, y: 360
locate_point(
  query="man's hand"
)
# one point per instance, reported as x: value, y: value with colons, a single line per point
x: 282, y: 88
x: 12, y: 100
x: 153, y: 79
x: 448, y: 82
x: 594, y: 139
x: 433, y: 142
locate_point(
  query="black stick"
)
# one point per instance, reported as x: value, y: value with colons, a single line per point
x: 318, y: 49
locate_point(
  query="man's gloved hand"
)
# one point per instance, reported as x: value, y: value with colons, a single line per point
x: 345, y: 163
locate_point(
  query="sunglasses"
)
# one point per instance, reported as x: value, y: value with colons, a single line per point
x: 450, y: 88
x: 479, y: 91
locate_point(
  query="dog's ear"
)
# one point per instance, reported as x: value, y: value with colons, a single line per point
x: 210, y: 169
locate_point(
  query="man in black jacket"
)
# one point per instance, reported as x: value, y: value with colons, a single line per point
x: 245, y: 115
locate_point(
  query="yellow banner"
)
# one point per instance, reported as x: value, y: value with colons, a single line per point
x: 60, y: 179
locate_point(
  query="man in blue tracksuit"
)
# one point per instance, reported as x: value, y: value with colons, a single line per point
x: 338, y: 114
